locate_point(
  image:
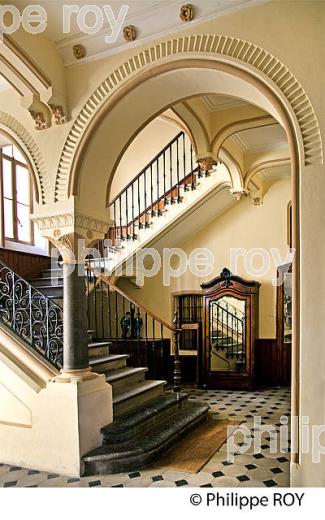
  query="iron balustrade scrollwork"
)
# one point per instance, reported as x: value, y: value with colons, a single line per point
x: 31, y: 316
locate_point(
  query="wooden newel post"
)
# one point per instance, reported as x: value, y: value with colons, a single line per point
x: 177, y: 362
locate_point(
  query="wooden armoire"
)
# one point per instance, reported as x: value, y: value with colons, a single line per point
x: 230, y: 328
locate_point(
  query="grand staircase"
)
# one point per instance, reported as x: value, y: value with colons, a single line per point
x: 148, y: 417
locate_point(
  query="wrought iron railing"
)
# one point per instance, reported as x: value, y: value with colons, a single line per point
x: 32, y: 316
x: 156, y: 186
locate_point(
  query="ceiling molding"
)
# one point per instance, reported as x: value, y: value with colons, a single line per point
x: 185, y: 112
x: 263, y: 141
x: 272, y: 163
x: 213, y: 106
x: 239, y: 142
x: 237, y: 126
x: 153, y: 22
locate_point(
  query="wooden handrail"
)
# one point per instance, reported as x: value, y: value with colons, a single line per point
x: 175, y: 328
x: 162, y: 197
x: 104, y: 278
x: 159, y: 154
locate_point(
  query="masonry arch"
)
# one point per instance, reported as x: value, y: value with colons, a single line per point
x: 258, y: 62
x: 189, y: 121
x: 235, y: 67
x: 20, y: 136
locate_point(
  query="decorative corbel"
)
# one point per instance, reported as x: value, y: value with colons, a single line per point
x: 206, y: 164
x: 239, y: 195
x: 39, y: 119
x: 58, y: 114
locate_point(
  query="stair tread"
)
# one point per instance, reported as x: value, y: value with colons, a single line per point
x: 49, y: 270
x: 48, y: 286
x: 121, y: 373
x: 131, y: 419
x: 107, y: 359
x: 47, y: 278
x: 93, y: 344
x: 137, y: 390
x: 155, y: 440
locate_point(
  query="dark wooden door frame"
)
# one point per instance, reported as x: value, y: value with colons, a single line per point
x: 281, y: 376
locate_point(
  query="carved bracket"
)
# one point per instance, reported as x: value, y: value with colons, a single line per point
x: 226, y: 276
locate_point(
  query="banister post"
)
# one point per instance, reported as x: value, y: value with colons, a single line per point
x: 177, y: 362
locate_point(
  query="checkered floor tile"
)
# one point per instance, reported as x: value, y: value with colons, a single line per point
x: 258, y: 459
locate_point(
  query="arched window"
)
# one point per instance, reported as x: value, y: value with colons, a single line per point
x: 16, y: 199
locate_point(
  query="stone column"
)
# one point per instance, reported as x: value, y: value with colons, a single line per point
x: 76, y: 403
x: 75, y: 351
x: 75, y: 323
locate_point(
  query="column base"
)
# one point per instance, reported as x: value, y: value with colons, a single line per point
x: 73, y: 414
x: 64, y: 422
x: 70, y: 376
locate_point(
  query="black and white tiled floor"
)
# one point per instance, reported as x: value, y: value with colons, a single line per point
x: 264, y: 469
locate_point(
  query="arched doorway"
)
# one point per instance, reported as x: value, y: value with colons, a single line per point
x: 173, y: 81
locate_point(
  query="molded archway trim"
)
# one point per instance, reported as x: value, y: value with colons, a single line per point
x: 263, y: 166
x: 213, y: 48
x: 17, y: 133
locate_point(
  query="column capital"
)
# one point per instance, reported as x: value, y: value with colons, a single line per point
x: 63, y: 225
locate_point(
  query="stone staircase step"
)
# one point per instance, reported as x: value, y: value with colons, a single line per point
x: 53, y: 291
x: 125, y: 378
x: 138, y: 395
x: 145, y: 448
x: 106, y: 363
x: 46, y: 281
x: 55, y: 273
x: 97, y: 349
x: 142, y: 418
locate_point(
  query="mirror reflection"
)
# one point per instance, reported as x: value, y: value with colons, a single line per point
x: 287, y: 311
x: 228, y: 334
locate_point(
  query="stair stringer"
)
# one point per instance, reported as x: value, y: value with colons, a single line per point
x: 47, y: 423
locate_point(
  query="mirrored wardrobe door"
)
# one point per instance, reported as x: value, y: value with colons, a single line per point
x: 227, y: 325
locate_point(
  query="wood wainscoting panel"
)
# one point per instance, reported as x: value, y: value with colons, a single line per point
x: 266, y: 362
x: 26, y: 265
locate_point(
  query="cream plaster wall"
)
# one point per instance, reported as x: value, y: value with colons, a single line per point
x: 141, y: 151
x: 266, y: 25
